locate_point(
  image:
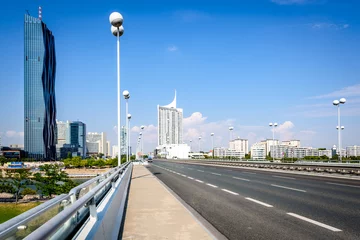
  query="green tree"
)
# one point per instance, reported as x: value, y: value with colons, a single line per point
x: 18, y: 179
x: 3, y: 160
x: 248, y: 156
x: 53, y: 180
x: 69, y: 155
x: 28, y: 191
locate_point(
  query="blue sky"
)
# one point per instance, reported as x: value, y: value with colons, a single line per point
x: 233, y: 63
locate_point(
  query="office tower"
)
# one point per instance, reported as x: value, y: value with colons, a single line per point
x: 170, y: 126
x: 78, y: 136
x: 96, y: 143
x: 123, y: 134
x: 39, y: 89
x: 108, y: 152
x: 62, y: 136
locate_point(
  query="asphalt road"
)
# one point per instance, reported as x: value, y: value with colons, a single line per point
x: 253, y: 204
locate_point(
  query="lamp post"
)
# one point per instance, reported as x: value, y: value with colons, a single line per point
x: 140, y: 140
x: 273, y: 126
x: 338, y: 103
x: 128, y: 146
x: 212, y: 144
x: 190, y: 145
x: 230, y: 130
x: 126, y: 95
x: 199, y: 146
x: 117, y: 30
x: 142, y: 144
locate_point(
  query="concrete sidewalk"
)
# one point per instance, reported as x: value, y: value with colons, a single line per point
x: 154, y: 213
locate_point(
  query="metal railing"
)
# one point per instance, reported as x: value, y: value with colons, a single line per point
x: 58, y: 218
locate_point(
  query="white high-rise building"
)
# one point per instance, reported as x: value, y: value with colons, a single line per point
x: 170, y: 124
x: 352, y: 151
x: 96, y: 143
x: 114, y: 151
x: 108, y: 148
x: 268, y: 143
x: 240, y: 145
x: 258, y: 151
x: 63, y: 135
x: 291, y: 143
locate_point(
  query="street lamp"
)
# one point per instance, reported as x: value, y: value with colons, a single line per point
x: 128, y: 118
x: 117, y: 30
x: 126, y: 95
x: 142, y: 143
x: 140, y: 140
x: 212, y: 144
x: 273, y: 130
x: 199, y: 146
x: 338, y: 103
x: 230, y: 130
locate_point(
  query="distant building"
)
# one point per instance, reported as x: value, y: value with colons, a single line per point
x: 78, y: 136
x: 268, y: 143
x: 240, y: 145
x: 327, y: 153
x: 96, y: 143
x: 353, y: 151
x: 174, y: 151
x: 170, y: 124
x: 123, y: 134
x: 63, y: 135
x: 221, y: 152
x: 70, y: 149
x: 114, y: 151
x: 291, y: 143
x: 19, y: 146
x: 258, y: 151
x: 9, y: 152
x: 39, y: 89
x: 108, y: 151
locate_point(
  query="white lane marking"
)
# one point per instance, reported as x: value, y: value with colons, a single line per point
x: 244, y: 179
x: 294, y: 189
x: 283, y: 177
x: 183, y: 175
x: 261, y: 203
x: 225, y: 190
x: 249, y: 172
x: 315, y: 222
x: 211, y: 185
x: 200, y: 171
x: 190, y: 178
x: 199, y: 181
x: 216, y: 174
x: 346, y: 185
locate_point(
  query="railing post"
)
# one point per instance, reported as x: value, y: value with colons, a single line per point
x: 92, y: 209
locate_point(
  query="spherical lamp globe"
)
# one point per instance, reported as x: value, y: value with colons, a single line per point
x: 116, y: 19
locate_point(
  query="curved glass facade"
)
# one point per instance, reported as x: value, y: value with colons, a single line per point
x: 39, y: 90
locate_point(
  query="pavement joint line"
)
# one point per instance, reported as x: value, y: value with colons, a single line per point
x: 283, y: 177
x: 216, y: 174
x: 200, y: 171
x: 228, y: 191
x: 190, y: 178
x: 199, y: 181
x: 259, y: 202
x: 249, y: 172
x: 211, y: 185
x: 244, y: 179
x: 340, y: 184
x: 294, y: 189
x: 315, y: 222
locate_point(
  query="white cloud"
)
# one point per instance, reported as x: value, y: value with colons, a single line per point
x: 11, y: 134
x: 11, y: 137
x: 326, y: 25
x: 284, y: 131
x: 172, y: 48
x: 349, y: 91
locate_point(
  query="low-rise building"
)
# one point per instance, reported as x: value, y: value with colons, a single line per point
x: 221, y: 152
x: 258, y: 151
x: 174, y: 151
x: 353, y: 151
x: 240, y: 145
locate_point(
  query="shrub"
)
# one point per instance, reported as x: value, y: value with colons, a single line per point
x: 28, y: 191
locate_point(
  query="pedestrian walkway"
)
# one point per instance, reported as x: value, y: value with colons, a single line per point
x: 154, y: 213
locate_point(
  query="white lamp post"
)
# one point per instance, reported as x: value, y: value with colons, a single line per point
x: 199, y: 146
x: 140, y: 140
x: 128, y: 147
x: 117, y: 30
x: 212, y: 144
x: 273, y: 130
x: 190, y: 145
x: 338, y: 103
x: 142, y: 144
x: 126, y: 95
x: 230, y: 130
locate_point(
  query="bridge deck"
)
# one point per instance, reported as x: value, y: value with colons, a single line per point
x: 154, y: 213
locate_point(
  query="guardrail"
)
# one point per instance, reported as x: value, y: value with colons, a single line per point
x: 341, y: 168
x: 58, y: 218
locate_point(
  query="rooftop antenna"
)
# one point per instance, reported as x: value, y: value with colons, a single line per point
x: 40, y: 13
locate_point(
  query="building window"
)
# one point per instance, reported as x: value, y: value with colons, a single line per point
x: 26, y: 58
x: 39, y: 59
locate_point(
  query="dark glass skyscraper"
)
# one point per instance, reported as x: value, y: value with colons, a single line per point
x: 39, y: 89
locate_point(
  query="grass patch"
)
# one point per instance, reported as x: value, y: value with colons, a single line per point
x: 10, y: 210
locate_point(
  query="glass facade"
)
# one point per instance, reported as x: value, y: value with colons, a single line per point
x: 78, y: 136
x: 39, y: 90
